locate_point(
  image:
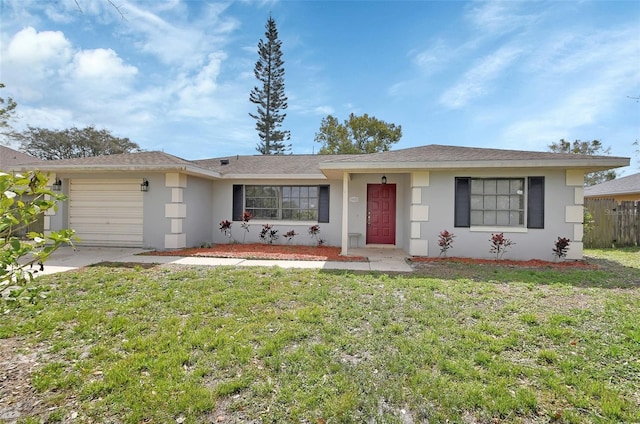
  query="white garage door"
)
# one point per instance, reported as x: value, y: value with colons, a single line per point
x: 106, y: 212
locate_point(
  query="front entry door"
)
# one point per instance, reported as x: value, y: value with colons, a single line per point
x: 381, y: 214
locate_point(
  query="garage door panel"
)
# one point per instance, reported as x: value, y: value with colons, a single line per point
x: 111, y: 223
x: 106, y: 212
x: 91, y: 213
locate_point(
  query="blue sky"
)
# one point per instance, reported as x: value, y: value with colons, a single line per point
x: 175, y: 75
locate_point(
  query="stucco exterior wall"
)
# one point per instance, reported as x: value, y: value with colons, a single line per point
x: 198, y: 196
x: 223, y: 210
x: 434, y: 198
x: 155, y: 224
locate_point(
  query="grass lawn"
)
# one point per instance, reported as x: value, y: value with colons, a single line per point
x: 200, y: 345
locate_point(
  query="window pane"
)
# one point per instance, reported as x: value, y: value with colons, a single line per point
x: 502, y: 218
x: 502, y: 186
x: 490, y: 187
x: 490, y: 202
x: 516, y: 218
x: 490, y: 218
x: 476, y: 218
x: 516, y: 202
x: 503, y: 203
x: 477, y: 187
x: 516, y: 185
x: 477, y: 202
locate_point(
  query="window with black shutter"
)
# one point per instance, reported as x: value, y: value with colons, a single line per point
x: 535, y: 203
x: 462, y: 205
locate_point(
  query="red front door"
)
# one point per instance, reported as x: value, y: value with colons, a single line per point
x: 381, y: 213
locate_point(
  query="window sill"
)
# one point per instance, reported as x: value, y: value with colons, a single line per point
x: 278, y: 222
x: 487, y: 229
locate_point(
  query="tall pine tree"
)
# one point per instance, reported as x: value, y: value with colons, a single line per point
x: 270, y: 98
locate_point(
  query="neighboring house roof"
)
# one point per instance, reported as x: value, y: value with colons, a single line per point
x: 10, y: 157
x: 323, y: 166
x: 619, y: 186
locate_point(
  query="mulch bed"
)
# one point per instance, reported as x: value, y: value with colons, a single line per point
x: 266, y: 251
x: 533, y: 263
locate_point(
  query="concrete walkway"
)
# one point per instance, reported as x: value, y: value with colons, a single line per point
x: 66, y: 259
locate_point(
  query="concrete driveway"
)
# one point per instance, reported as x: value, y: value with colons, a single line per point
x: 66, y: 259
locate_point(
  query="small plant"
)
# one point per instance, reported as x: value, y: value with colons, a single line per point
x: 445, y: 241
x: 225, y: 228
x: 561, y: 247
x: 290, y: 235
x: 268, y: 234
x: 499, y: 245
x: 314, y: 230
x: 246, y: 217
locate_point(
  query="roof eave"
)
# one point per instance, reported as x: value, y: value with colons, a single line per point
x: 187, y: 169
x: 274, y: 176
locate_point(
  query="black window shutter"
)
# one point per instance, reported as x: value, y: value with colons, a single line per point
x: 238, y: 202
x: 323, y: 204
x: 535, y: 202
x: 462, y: 213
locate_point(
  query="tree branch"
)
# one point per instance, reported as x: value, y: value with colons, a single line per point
x: 118, y: 8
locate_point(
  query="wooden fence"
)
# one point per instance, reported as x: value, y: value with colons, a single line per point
x: 613, y: 224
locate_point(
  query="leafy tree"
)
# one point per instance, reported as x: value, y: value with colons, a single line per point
x: 23, y: 198
x: 73, y: 143
x: 270, y: 98
x: 593, y: 147
x: 7, y: 111
x: 358, y: 134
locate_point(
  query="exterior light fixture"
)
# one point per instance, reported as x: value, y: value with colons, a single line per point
x: 384, y: 179
x: 144, y: 186
x: 57, y: 185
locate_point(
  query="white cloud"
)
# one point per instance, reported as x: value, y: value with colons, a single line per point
x: 31, y: 59
x: 580, y: 80
x: 101, y: 64
x: 324, y: 110
x: 500, y: 17
x: 476, y: 81
x: 434, y: 57
x: 29, y: 48
x: 45, y: 117
x: 178, y: 42
x: 197, y: 94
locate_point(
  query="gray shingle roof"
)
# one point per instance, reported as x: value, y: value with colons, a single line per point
x: 124, y: 159
x: 436, y: 152
x: 624, y: 185
x: 267, y: 165
x: 317, y: 166
x: 10, y: 157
